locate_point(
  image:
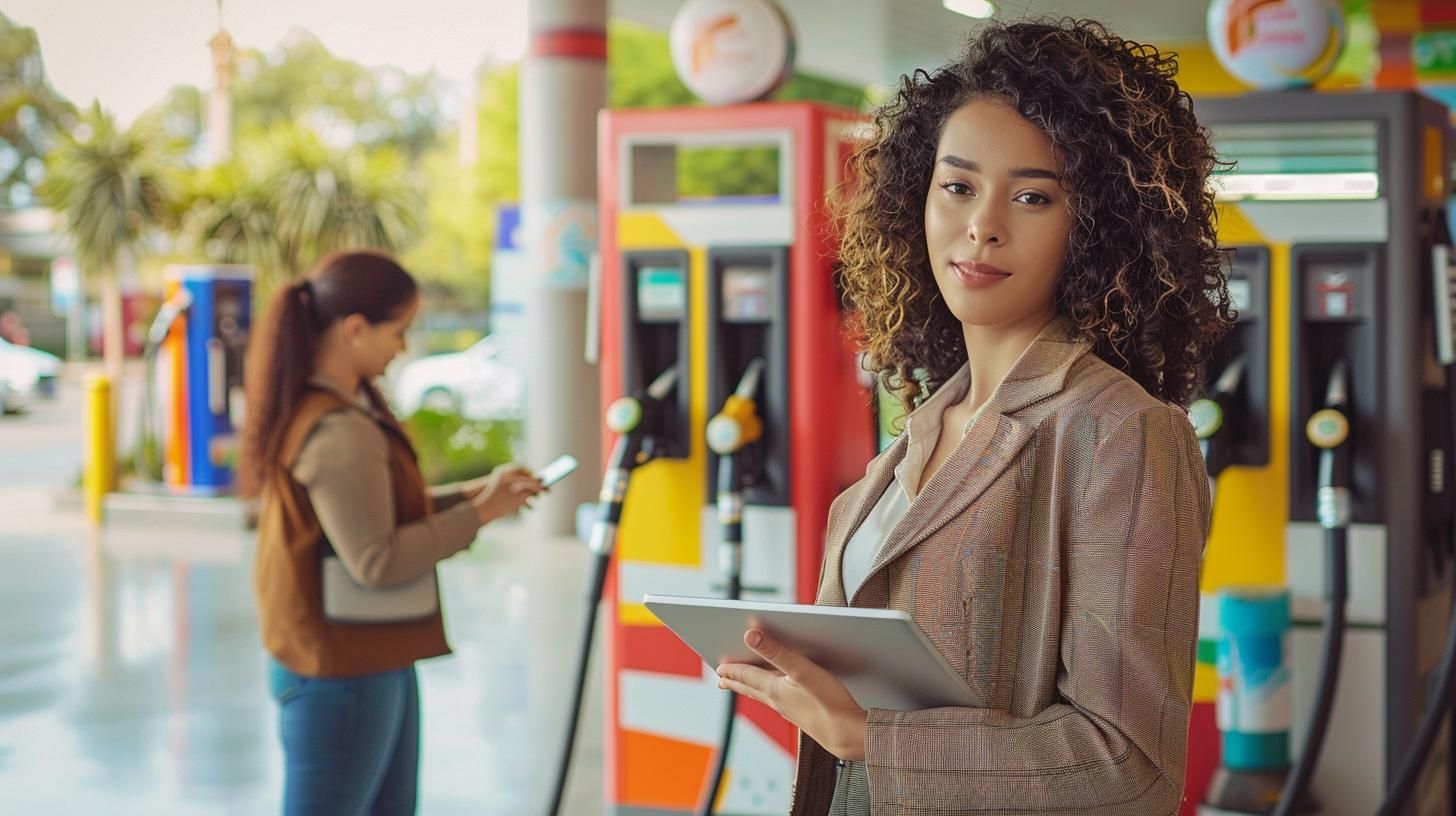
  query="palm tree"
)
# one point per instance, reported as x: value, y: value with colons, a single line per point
x: 32, y: 114
x: 110, y: 186
x: 325, y: 200
x: 228, y: 214
x: 289, y: 198
x: 375, y: 207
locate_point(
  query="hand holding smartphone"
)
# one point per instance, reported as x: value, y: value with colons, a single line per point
x: 558, y: 469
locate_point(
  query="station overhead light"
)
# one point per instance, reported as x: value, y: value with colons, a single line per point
x: 980, y: 9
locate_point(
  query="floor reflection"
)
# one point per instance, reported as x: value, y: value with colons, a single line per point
x: 131, y: 681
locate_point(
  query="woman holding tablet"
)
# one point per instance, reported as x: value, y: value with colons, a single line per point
x: 1030, y: 257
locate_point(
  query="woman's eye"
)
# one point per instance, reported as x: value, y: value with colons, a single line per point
x: 956, y: 188
x: 1033, y: 198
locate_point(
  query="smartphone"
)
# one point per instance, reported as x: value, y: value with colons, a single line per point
x: 559, y: 468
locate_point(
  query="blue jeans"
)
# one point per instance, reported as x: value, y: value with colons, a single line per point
x: 351, y: 745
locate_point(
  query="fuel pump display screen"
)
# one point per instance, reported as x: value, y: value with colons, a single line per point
x: 1336, y: 291
x: 661, y: 293
x: 747, y: 294
x: 1241, y: 293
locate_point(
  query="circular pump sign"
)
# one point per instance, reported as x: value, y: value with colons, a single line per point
x: 1276, y: 44
x: 730, y: 51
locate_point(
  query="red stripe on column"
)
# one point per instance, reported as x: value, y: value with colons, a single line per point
x: 1205, y: 749
x: 569, y: 42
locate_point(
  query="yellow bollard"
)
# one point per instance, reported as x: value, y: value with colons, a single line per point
x: 100, y: 473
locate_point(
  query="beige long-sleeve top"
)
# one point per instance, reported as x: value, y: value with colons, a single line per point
x: 344, y: 465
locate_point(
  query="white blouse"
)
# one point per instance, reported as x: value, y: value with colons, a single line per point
x: 923, y: 429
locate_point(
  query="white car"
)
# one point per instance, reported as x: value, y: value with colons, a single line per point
x: 28, y: 373
x: 473, y: 383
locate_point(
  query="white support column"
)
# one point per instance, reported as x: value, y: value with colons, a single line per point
x: 563, y: 86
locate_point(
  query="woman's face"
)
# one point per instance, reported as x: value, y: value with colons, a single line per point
x: 376, y: 345
x: 996, y: 217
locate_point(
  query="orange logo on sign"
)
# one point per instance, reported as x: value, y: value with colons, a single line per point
x: 705, y: 41
x: 1241, y: 22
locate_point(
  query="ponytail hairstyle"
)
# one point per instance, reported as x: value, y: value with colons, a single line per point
x: 283, y: 346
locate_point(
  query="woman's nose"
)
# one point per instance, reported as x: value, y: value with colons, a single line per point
x: 985, y: 226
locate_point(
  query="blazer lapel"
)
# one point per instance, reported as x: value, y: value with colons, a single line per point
x: 993, y: 443
x: 866, y: 494
x: 981, y: 457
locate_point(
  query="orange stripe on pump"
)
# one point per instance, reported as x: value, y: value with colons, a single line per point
x: 176, y: 440
x: 662, y: 772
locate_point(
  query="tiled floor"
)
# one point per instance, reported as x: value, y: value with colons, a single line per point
x: 132, y: 683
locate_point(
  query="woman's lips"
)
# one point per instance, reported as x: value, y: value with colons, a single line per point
x: 977, y: 275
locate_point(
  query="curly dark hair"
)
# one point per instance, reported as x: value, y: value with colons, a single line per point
x: 1142, y: 280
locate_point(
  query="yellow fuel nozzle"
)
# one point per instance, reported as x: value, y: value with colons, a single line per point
x: 735, y: 426
x: 738, y: 424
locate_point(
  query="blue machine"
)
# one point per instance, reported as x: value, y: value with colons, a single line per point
x: 202, y: 334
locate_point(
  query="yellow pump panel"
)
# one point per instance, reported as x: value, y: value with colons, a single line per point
x: 1251, y: 507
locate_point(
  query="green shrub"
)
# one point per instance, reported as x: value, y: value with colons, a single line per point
x: 452, y: 448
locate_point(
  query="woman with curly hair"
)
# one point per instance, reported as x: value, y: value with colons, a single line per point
x: 1030, y: 257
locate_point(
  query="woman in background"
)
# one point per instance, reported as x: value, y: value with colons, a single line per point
x: 337, y: 477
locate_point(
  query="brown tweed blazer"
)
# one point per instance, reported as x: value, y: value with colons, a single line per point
x: 1054, y: 560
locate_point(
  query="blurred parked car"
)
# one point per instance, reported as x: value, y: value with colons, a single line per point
x: 28, y: 373
x: 473, y: 383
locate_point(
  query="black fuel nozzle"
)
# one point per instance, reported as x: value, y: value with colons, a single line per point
x: 636, y: 420
x: 1329, y: 430
x: 735, y: 427
x: 1209, y: 414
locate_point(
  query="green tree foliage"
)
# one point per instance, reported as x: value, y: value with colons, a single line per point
x: 286, y: 198
x: 343, y: 101
x: 229, y: 216
x: 302, y: 83
x: 460, y: 215
x: 1360, y: 60
x: 460, y: 230
x: 181, y: 114
x: 111, y: 186
x: 32, y: 115
x: 235, y: 212
x: 639, y: 70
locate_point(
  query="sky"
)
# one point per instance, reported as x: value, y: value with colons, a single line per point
x: 128, y: 53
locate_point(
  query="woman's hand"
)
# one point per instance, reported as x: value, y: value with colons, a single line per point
x: 802, y: 693
x: 507, y: 489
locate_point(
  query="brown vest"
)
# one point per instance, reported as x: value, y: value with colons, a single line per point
x: 287, y: 581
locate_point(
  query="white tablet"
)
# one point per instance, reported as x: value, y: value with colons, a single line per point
x: 880, y: 655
